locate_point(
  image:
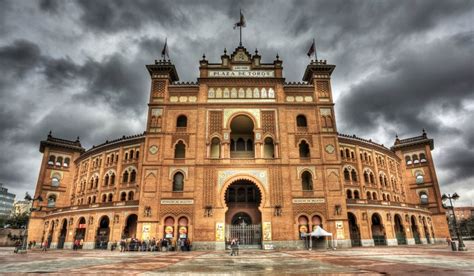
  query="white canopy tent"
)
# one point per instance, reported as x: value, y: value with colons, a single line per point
x: 319, y: 232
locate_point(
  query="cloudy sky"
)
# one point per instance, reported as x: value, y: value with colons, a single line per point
x: 77, y: 68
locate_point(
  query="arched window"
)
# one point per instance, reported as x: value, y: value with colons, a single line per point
x: 422, y: 158
x: 347, y: 176
x: 104, y: 198
x: 130, y: 195
x: 356, y: 194
x: 89, y: 200
x: 366, y: 177
x: 55, y: 181
x: 123, y: 196
x: 66, y: 162
x: 388, y: 197
x: 342, y: 153
x: 215, y: 148
x: 374, y: 196
x: 131, y: 154
x: 93, y: 199
x: 348, y: 153
x: 249, y: 145
x: 383, y: 197
x: 182, y: 121
x: 137, y: 154
x: 112, y: 179
x: 419, y: 177
x: 307, y: 181
x: 301, y: 121
x: 96, y: 182
x: 354, y: 175
x: 91, y: 183
x: 240, y: 145
x: 371, y: 178
x: 125, y: 177
x: 126, y: 155
x: 133, y: 176
x: 52, y: 160
x: 365, y: 156
x: 304, y: 149
x: 369, y: 196
x: 268, y: 148
x: 423, y: 198
x: 111, y: 196
x: 352, y: 155
x: 106, y: 180
x: 415, y: 159
x: 178, y: 182
x: 180, y: 150
x: 51, y: 201
x: 349, y: 194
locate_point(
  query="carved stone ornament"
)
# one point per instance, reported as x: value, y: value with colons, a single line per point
x: 153, y: 149
x: 116, y: 218
x: 330, y: 149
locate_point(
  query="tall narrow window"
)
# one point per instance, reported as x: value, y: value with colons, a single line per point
x: 66, y: 162
x: 52, y: 201
x: 178, y: 182
x: 180, y: 150
x: 106, y: 180
x: 215, y: 148
x: 133, y: 176
x: 123, y: 196
x: 268, y: 148
x: 111, y: 196
x: 112, y: 179
x: 354, y: 175
x: 130, y: 195
x: 307, y: 181
x: 125, y: 177
x: 347, y: 176
x: 304, y: 149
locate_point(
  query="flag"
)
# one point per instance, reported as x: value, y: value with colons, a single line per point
x: 164, y: 52
x: 312, y: 49
x: 241, y: 22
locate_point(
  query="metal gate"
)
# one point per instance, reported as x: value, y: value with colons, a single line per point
x: 249, y: 235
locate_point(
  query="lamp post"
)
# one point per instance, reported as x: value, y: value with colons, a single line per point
x: 454, y: 197
x: 32, y: 200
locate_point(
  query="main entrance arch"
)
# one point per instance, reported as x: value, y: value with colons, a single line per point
x: 243, y: 217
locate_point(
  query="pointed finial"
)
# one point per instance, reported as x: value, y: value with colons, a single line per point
x: 277, y: 57
x: 225, y: 51
x: 424, y: 133
x: 256, y: 51
x: 77, y: 139
x: 396, y: 136
x: 203, y: 56
x: 50, y: 133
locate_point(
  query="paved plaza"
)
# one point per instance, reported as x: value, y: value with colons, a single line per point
x: 407, y: 260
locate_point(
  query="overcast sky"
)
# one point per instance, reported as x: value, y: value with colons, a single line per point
x: 78, y: 68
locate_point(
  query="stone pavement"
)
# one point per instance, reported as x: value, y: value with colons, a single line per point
x: 403, y: 260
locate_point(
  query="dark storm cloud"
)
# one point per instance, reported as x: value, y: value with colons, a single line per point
x: 78, y: 67
x: 17, y: 59
x: 51, y: 6
x: 119, y: 15
x: 404, y: 88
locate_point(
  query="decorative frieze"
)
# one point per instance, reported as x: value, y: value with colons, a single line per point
x: 177, y: 201
x: 308, y: 200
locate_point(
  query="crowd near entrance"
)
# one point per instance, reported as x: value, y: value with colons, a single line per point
x: 243, y: 218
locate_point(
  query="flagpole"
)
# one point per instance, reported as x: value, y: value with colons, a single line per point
x: 315, y: 53
x: 240, y: 19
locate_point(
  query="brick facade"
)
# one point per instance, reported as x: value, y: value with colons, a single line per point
x: 239, y: 141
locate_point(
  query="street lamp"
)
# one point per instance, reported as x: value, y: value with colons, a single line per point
x: 32, y: 200
x: 454, y: 197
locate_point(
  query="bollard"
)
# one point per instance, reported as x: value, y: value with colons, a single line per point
x: 453, y: 246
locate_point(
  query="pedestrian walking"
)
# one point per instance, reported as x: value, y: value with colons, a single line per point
x: 233, y: 243
x: 45, y: 246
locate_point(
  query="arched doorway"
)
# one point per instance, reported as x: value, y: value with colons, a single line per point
x: 400, y: 230
x: 51, y: 232
x: 242, y: 137
x: 62, y: 234
x: 243, y: 218
x: 130, y: 229
x: 80, y: 230
x: 378, y: 231
x: 427, y: 232
x: 103, y: 232
x: 354, y: 230
x: 414, y: 230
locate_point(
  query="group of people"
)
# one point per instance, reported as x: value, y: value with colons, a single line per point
x: 132, y: 244
x: 77, y: 244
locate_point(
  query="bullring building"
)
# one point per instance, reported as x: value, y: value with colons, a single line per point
x: 240, y: 153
